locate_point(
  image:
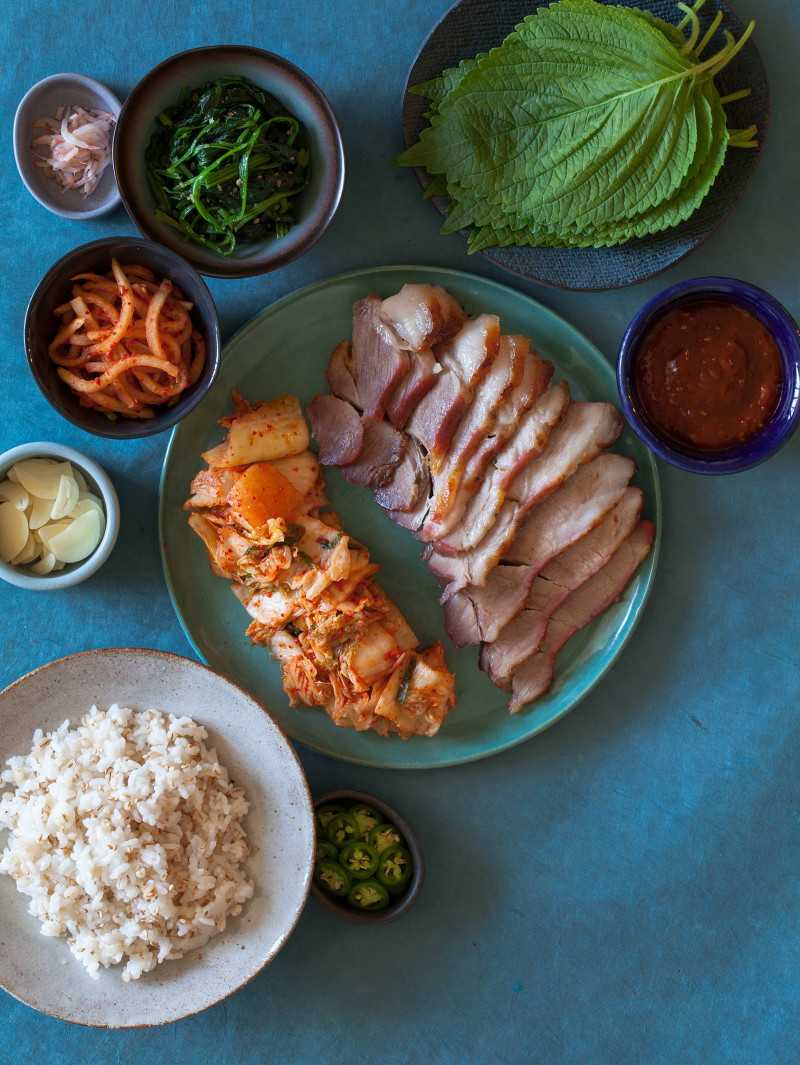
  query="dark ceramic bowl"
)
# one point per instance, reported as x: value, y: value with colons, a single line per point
x: 54, y: 289
x: 399, y: 904
x: 783, y: 330
x: 161, y: 88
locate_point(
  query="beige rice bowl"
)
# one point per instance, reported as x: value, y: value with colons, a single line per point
x: 127, y: 836
x: 180, y: 799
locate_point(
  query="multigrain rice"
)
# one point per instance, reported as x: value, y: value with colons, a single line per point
x: 127, y: 835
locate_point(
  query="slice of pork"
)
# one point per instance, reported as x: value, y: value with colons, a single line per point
x: 378, y: 363
x: 410, y: 483
x: 339, y: 375
x: 530, y: 440
x: 422, y: 315
x: 338, y: 429
x: 465, y: 360
x: 558, y: 521
x: 381, y: 453
x: 535, y: 675
x: 521, y: 637
x: 413, y: 388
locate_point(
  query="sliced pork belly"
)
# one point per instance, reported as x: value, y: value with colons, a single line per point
x: 521, y: 637
x: 410, y: 483
x: 522, y: 475
x: 536, y: 377
x: 530, y: 440
x: 382, y: 450
x: 339, y: 375
x: 422, y: 315
x: 338, y: 429
x: 378, y: 363
x: 504, y: 375
x: 413, y: 388
x: 559, y: 521
x: 464, y: 360
x: 535, y: 675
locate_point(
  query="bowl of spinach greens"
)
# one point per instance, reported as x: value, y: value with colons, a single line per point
x: 232, y: 157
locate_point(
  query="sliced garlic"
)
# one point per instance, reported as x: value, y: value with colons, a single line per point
x: 39, y: 512
x: 13, y: 492
x: 66, y: 497
x: 78, y: 540
x: 13, y: 531
x: 29, y: 553
x: 41, y: 477
x: 48, y: 515
x: 45, y: 565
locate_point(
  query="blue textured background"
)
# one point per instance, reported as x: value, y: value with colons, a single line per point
x: 620, y: 890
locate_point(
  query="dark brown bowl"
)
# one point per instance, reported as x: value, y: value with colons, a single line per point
x: 400, y: 904
x: 54, y: 289
x: 160, y: 89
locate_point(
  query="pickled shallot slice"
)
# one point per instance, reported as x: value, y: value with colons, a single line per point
x: 79, y: 144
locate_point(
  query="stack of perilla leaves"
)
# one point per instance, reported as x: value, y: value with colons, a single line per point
x: 589, y: 125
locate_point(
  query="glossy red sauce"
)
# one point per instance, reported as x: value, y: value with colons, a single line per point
x: 709, y: 374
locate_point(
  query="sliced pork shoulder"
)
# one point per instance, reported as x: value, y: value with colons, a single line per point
x: 338, y: 429
x: 410, y: 484
x: 559, y: 520
x: 381, y: 452
x: 412, y: 389
x: 534, y: 676
x: 521, y: 637
x: 339, y: 375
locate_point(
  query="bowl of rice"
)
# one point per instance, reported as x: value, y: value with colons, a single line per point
x: 158, y: 838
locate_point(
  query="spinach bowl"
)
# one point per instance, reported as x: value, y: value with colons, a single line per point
x: 230, y: 156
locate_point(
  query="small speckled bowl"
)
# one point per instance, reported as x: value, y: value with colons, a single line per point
x: 99, y: 483
x: 161, y: 88
x: 55, y: 288
x: 399, y: 904
x: 783, y: 330
x: 43, y: 101
x: 40, y: 970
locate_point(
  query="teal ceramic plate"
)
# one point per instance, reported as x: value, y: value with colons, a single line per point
x: 286, y: 349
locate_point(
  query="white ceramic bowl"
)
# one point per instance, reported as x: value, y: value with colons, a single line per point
x: 43, y: 100
x: 100, y: 483
x: 42, y: 971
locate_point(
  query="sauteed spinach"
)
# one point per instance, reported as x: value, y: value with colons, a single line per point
x: 226, y: 163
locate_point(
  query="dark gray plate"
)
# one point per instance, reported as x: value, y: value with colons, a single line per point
x: 474, y: 26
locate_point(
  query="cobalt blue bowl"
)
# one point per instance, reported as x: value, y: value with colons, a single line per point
x: 783, y: 422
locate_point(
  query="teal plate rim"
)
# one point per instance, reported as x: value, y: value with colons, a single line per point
x: 285, y: 348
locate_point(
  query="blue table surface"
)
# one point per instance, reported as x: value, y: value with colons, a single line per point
x: 624, y: 887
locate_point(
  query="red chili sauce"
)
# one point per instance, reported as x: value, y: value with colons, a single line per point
x: 709, y: 374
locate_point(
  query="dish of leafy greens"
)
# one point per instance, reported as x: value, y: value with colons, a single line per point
x: 589, y: 125
x: 225, y: 165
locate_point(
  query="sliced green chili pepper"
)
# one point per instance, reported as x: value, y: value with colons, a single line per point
x: 359, y: 859
x: 326, y: 812
x: 385, y: 835
x: 367, y: 817
x: 395, y: 868
x: 326, y: 851
x: 332, y: 877
x: 342, y: 829
x: 368, y: 895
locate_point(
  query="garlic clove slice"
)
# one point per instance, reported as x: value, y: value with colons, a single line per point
x: 45, y: 565
x: 29, y: 553
x: 78, y: 540
x: 41, y: 477
x: 40, y: 512
x: 13, y: 531
x: 13, y: 492
x: 86, y: 503
x: 66, y: 497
